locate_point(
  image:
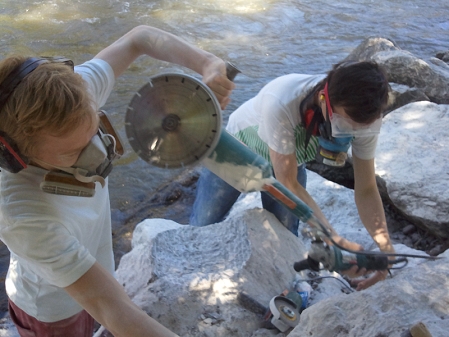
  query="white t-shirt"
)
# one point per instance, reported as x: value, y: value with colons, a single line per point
x: 272, y: 120
x: 54, y: 239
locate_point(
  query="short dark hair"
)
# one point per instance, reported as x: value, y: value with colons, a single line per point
x: 361, y: 88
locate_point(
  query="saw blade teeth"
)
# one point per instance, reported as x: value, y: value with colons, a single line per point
x: 187, y: 139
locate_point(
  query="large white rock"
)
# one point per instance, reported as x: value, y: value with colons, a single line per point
x: 387, y: 309
x: 191, y: 279
x: 412, y: 159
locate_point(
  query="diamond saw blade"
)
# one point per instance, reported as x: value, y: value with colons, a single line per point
x: 287, y: 310
x: 173, y: 121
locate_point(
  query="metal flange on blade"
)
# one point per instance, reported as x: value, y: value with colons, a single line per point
x: 285, y: 313
x: 173, y: 121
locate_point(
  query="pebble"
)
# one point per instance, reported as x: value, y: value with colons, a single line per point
x: 436, y: 250
x: 409, y: 229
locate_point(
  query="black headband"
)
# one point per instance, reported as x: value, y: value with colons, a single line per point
x: 16, y: 76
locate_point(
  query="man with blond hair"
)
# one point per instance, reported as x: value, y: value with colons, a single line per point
x: 56, y: 151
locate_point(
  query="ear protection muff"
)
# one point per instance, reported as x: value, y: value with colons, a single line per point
x: 10, y: 157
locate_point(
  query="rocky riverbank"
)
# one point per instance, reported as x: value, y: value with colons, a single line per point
x: 174, y: 200
x: 417, y: 220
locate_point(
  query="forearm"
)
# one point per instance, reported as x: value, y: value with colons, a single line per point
x: 105, y: 299
x: 129, y: 321
x: 168, y: 47
x: 371, y: 212
x: 161, y: 45
x: 286, y: 169
x: 302, y: 194
x: 156, y: 43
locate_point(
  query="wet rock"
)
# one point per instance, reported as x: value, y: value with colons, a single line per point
x: 405, y: 68
x: 370, y: 47
x: 341, y: 175
x: 410, y: 229
x: 443, y: 56
x: 437, y: 250
x: 401, y: 95
x: 432, y: 78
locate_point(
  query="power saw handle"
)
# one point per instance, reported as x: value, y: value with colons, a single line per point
x: 335, y: 259
x: 231, y: 71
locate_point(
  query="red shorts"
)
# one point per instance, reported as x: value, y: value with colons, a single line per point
x: 79, y: 325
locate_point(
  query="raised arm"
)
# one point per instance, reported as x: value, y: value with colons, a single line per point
x: 99, y: 293
x: 161, y: 45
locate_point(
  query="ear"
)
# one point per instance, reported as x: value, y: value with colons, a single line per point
x: 321, y: 96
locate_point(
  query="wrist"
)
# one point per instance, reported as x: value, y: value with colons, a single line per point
x: 210, y: 63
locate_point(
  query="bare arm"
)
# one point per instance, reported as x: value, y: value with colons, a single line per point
x: 371, y: 212
x: 99, y: 293
x: 161, y: 45
x: 369, y: 203
x: 286, y: 169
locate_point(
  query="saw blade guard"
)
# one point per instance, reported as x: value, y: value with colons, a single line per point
x: 173, y: 121
x: 285, y: 313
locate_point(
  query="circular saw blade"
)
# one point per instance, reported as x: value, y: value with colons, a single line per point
x: 173, y: 121
x: 286, y: 310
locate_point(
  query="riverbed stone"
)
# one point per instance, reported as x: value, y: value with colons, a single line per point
x: 443, y: 56
x: 432, y: 78
x: 405, y: 68
x: 409, y: 229
x: 191, y: 278
x: 200, y: 274
x: 401, y: 95
x: 389, y: 308
x: 415, y: 179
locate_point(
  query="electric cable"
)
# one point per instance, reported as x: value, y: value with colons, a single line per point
x: 329, y: 276
x: 371, y: 253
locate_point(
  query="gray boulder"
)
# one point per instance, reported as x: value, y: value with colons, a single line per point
x: 405, y: 68
x: 416, y: 178
x: 210, y: 281
x: 389, y: 308
x: 193, y: 279
x: 432, y: 78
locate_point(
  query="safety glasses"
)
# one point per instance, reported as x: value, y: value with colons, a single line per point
x: 346, y: 127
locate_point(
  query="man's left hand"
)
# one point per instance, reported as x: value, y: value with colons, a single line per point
x: 363, y: 283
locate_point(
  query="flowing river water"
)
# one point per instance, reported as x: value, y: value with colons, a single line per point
x: 264, y: 38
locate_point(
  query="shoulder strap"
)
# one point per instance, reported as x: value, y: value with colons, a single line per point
x: 311, y: 124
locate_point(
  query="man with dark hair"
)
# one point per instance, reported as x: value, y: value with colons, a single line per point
x: 296, y: 118
x: 56, y: 150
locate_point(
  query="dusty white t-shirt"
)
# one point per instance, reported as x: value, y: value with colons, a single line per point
x: 272, y: 120
x: 54, y: 239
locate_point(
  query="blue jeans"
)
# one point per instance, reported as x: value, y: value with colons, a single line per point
x: 215, y: 197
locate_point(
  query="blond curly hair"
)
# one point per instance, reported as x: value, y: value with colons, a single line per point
x: 52, y: 99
